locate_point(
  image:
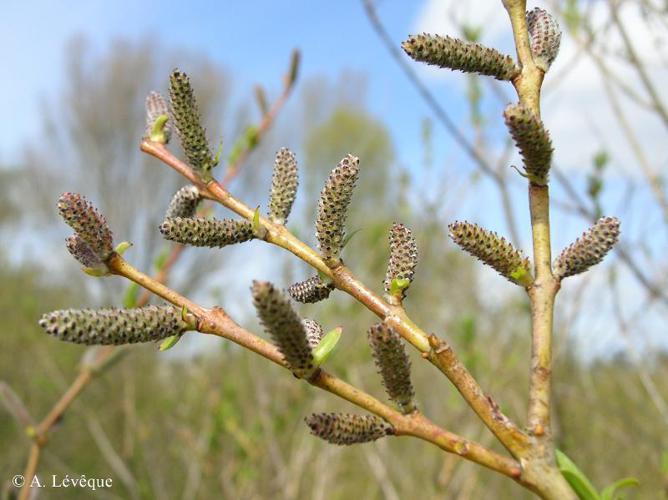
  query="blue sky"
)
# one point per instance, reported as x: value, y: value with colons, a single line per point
x: 253, y: 40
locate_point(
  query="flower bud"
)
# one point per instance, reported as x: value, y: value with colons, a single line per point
x: 284, y: 184
x: 532, y: 140
x: 90, y: 226
x: 114, y: 326
x: 493, y: 250
x: 201, y: 232
x: 393, y: 365
x: 184, y: 203
x: 452, y: 53
x: 589, y: 249
x: 403, y: 258
x: 347, y: 428
x: 188, y: 125
x: 156, y: 107
x: 83, y: 253
x: 311, y: 290
x: 333, y: 207
x: 544, y: 37
x: 285, y: 327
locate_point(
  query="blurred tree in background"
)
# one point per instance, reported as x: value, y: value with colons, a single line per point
x: 220, y: 422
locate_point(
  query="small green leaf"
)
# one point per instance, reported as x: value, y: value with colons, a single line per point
x: 521, y: 276
x: 256, y: 219
x: 664, y: 462
x: 326, y: 346
x: 122, y: 247
x: 294, y: 67
x: 261, y: 100
x: 398, y: 285
x: 169, y: 342
x: 131, y: 295
x: 96, y: 272
x: 576, y: 478
x: 251, y: 137
x: 235, y: 153
x: 31, y: 432
x: 610, y: 492
x: 161, y: 259
x: 349, y: 237
x: 158, y: 129
x: 219, y: 153
x: 601, y: 160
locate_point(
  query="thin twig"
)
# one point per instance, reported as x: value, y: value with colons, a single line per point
x: 444, y: 118
x: 513, y: 438
x: 217, y: 322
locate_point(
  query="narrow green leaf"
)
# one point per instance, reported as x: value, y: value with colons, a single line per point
x: 131, y: 295
x: 169, y: 342
x: 161, y: 259
x: 96, y: 272
x: 251, y: 137
x: 399, y: 284
x: 610, y: 492
x: 664, y: 462
x: 576, y: 478
x: 122, y: 247
x: 293, y: 72
x: 158, y: 130
x: 324, y: 278
x: 580, y: 485
x: 522, y: 276
x: 326, y: 346
x: 349, y: 237
x: 256, y: 220
x: 219, y: 153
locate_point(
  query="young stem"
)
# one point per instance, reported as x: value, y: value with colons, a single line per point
x: 538, y: 464
x: 30, y: 470
x: 542, y: 295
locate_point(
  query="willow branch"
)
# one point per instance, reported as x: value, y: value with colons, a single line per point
x: 545, y: 287
x: 217, y: 322
x: 509, y: 435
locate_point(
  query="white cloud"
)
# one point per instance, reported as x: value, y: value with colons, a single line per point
x: 576, y: 108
